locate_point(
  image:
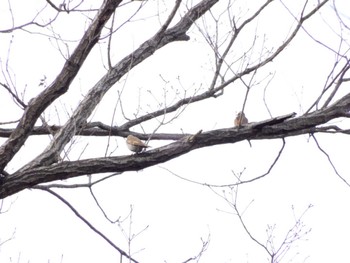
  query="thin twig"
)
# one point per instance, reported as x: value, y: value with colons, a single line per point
x: 122, y: 252
x: 329, y: 160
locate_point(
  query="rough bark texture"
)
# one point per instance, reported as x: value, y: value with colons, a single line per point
x: 63, y: 135
x: 46, y: 167
x: 279, y: 127
x: 61, y: 84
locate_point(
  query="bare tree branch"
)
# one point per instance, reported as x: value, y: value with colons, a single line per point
x: 61, y: 84
x: 270, y: 129
x: 205, y: 245
x: 93, y: 98
x: 329, y: 160
x: 122, y: 252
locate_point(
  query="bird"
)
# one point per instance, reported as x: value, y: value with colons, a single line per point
x: 135, y: 144
x: 240, y: 119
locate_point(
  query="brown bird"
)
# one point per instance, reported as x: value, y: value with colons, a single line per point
x: 241, y: 119
x: 135, y: 144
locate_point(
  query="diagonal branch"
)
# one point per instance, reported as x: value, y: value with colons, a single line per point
x: 93, y: 98
x: 330, y: 161
x: 122, y: 252
x: 212, y: 92
x: 60, y: 85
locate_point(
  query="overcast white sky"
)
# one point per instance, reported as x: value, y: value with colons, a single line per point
x: 179, y: 213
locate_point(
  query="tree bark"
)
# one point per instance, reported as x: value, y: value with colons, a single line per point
x: 279, y: 127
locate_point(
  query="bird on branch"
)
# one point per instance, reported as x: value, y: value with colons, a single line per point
x: 240, y: 119
x: 135, y: 144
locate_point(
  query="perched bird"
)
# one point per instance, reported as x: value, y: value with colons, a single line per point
x: 241, y: 119
x: 135, y: 144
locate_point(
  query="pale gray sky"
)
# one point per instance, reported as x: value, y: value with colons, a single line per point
x: 179, y: 213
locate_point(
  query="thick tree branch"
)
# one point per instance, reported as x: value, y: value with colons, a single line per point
x: 60, y: 85
x: 93, y: 98
x: 279, y: 127
x: 300, y: 125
